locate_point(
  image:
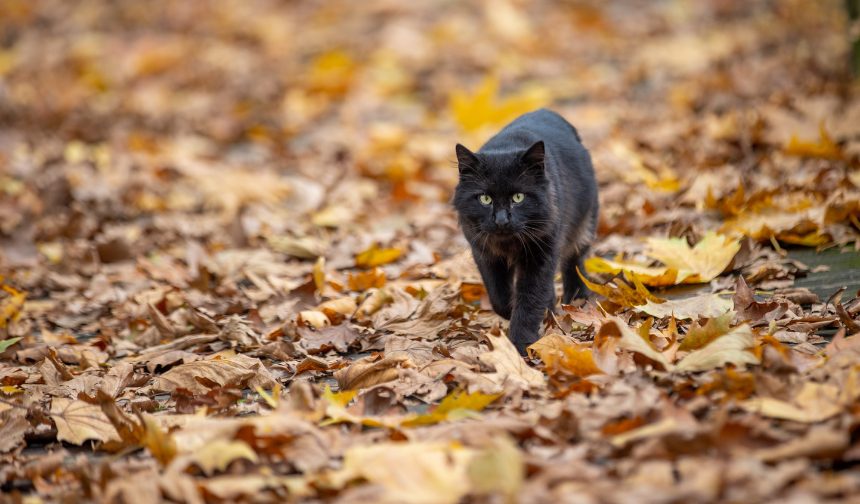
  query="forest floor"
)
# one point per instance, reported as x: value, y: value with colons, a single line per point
x: 231, y: 272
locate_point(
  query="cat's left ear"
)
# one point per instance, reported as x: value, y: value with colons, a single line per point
x: 466, y: 159
x: 533, y: 159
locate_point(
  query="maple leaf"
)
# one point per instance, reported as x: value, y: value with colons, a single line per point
x: 730, y: 348
x: 702, y: 263
x: 699, y: 336
x: 628, y: 339
x: 825, y: 148
x: 483, y: 107
x: 10, y: 310
x: 682, y: 264
x: 575, y: 359
x: 367, y: 280
x: 454, y: 406
x: 509, y: 365
x: 706, y: 305
x: 622, y: 293
x: 78, y: 421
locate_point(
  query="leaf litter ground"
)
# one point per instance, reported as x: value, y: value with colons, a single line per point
x: 230, y: 272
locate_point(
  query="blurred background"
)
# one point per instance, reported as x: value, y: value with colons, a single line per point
x: 171, y: 130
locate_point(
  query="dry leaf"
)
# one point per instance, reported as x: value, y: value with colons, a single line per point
x: 78, y: 421
x: 509, y: 365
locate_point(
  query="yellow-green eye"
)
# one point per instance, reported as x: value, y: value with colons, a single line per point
x: 519, y: 197
x: 486, y: 199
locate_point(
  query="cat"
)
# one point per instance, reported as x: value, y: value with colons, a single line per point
x: 527, y: 202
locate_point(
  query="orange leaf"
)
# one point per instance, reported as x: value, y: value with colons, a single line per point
x: 367, y: 280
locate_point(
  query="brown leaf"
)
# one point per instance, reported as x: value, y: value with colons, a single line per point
x: 340, y: 337
x: 509, y: 366
x: 78, y: 421
x: 220, y: 371
x: 370, y: 371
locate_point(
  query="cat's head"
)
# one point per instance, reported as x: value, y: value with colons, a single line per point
x: 503, y: 195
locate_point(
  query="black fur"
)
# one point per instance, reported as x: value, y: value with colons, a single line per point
x: 517, y: 246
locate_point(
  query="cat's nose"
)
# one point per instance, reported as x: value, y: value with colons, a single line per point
x: 502, y: 218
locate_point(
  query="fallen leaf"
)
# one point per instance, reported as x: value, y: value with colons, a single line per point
x: 699, y: 336
x: 340, y: 337
x: 730, y: 348
x: 374, y: 256
x: 410, y: 473
x: 704, y: 306
x: 78, y: 421
x: 217, y: 455
x: 622, y: 293
x: 455, y: 406
x: 631, y: 341
x: 369, y: 371
x: 509, y: 365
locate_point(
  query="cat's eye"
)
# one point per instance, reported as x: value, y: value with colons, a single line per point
x: 519, y: 197
x: 485, y: 199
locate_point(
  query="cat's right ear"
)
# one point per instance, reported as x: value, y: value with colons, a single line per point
x: 466, y: 159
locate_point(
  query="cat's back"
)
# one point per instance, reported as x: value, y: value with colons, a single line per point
x: 542, y: 124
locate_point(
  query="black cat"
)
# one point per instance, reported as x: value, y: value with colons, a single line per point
x: 526, y: 200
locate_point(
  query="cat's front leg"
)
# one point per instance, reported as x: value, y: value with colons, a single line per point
x: 534, y: 292
x: 498, y: 282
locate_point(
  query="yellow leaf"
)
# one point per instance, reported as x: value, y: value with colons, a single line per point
x: 699, y: 264
x: 409, y: 473
x: 698, y: 337
x: 8, y: 389
x: 332, y: 73
x: 337, y: 412
x: 483, y: 107
x: 623, y: 294
x: 654, y: 276
x: 315, y: 318
x: 374, y: 256
x: 344, y: 305
x: 160, y: 444
x: 454, y: 406
x: 816, y: 402
x: 548, y: 344
x: 707, y: 305
x: 631, y: 341
x: 319, y: 274
x: 575, y: 359
x: 509, y: 365
x: 10, y: 310
x: 730, y: 348
x: 825, y: 148
x: 218, y: 454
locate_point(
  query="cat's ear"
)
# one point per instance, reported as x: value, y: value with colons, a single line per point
x: 533, y: 159
x: 466, y: 159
